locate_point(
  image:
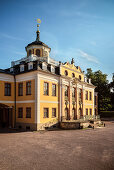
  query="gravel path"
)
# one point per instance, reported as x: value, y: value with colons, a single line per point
x: 58, y: 150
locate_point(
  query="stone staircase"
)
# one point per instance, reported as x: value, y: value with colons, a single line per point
x: 53, y: 124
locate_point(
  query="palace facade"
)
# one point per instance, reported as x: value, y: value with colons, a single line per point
x: 37, y: 92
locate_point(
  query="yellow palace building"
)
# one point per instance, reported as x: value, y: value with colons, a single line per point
x: 37, y: 92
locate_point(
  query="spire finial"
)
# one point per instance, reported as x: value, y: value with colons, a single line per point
x: 38, y: 32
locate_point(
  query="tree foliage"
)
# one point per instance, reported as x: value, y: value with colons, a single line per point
x: 112, y: 92
x: 102, y: 87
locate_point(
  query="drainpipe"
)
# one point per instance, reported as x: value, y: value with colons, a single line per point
x: 15, y: 99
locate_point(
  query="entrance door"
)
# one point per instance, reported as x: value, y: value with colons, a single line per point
x: 5, y: 117
x: 1, y: 117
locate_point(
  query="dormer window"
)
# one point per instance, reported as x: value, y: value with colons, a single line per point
x: 21, y: 68
x: 30, y: 66
x: 52, y: 69
x: 44, y: 66
x: 38, y: 52
x: 11, y: 69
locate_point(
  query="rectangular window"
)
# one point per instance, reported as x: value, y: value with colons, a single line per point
x: 73, y: 92
x: 86, y: 95
x: 7, y: 89
x: 20, y: 112
x: 28, y: 112
x: 20, y: 89
x: 86, y: 111
x: 53, y: 112
x: 66, y: 91
x: 90, y: 95
x: 53, y: 89
x: 46, y: 112
x: 46, y: 88
x: 28, y: 88
x: 90, y: 111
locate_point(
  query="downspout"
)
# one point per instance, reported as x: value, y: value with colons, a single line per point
x: 15, y: 99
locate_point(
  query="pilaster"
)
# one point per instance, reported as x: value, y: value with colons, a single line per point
x: 70, y: 100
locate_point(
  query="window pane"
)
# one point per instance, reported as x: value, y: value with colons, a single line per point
x: 53, y: 89
x: 20, y: 89
x: 7, y: 89
x: 53, y: 112
x: 28, y: 88
x: 46, y: 112
x: 46, y: 88
x: 28, y: 112
x: 20, y: 112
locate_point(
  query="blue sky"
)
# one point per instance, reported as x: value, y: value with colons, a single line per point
x: 82, y: 29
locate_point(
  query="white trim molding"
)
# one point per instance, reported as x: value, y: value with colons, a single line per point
x: 45, y: 101
x: 4, y: 101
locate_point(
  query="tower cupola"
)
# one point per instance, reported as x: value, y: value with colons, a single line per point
x: 37, y: 47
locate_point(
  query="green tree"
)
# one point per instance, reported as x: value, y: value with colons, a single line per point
x: 102, y: 87
x: 112, y: 91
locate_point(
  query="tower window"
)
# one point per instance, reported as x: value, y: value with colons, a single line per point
x: 38, y: 53
x: 29, y: 52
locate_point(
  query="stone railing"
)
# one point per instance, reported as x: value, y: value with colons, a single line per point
x: 82, y: 118
x: 49, y: 124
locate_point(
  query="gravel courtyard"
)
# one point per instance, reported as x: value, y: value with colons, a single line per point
x: 58, y: 150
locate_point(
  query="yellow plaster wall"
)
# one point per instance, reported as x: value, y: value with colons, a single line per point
x: 49, y: 98
x: 89, y: 101
x: 71, y: 69
x: 89, y: 107
x: 26, y: 97
x: 24, y: 119
x: 2, y: 91
x: 50, y: 106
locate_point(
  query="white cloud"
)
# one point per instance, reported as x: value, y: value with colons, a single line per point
x: 88, y: 56
x: 10, y: 37
x: 79, y: 14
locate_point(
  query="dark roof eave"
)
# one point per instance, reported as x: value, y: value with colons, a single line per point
x: 37, y: 43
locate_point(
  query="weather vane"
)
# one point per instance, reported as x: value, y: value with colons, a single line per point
x: 38, y: 21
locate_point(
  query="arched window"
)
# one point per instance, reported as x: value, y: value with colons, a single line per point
x: 73, y: 92
x: 73, y: 113
x: 29, y: 52
x: 38, y: 52
x: 80, y: 77
x: 66, y: 91
x: 73, y: 75
x: 66, y: 73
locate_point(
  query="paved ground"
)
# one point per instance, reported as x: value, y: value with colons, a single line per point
x: 58, y: 150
